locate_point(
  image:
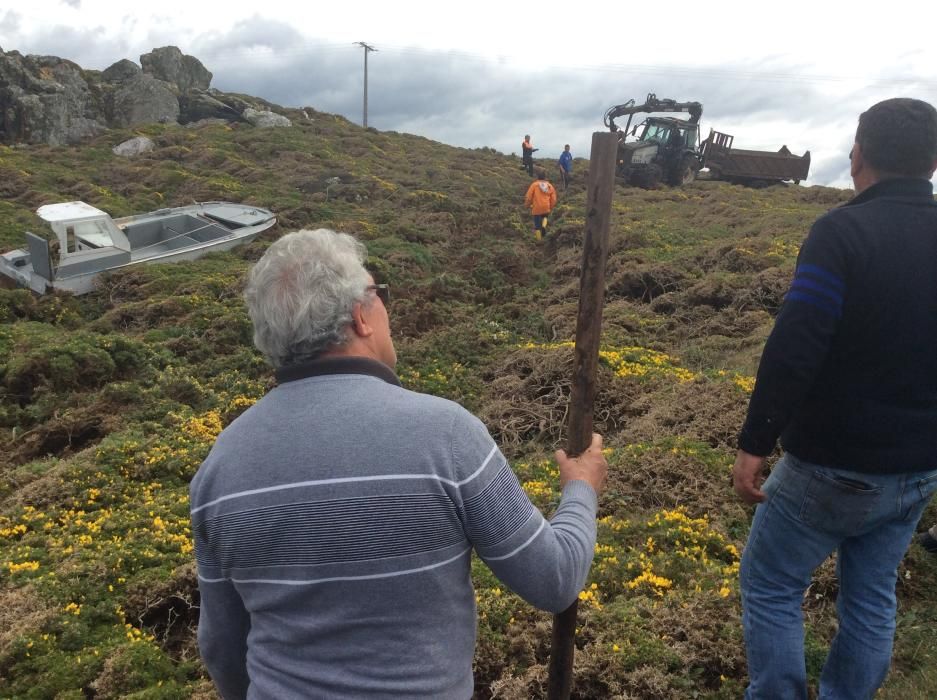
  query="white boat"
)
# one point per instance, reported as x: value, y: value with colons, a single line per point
x: 89, y: 242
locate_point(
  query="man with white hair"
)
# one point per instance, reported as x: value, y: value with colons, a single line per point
x: 335, y: 520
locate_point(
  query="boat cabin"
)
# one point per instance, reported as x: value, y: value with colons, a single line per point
x: 87, y: 238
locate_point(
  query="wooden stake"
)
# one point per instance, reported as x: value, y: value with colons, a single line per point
x: 588, y: 334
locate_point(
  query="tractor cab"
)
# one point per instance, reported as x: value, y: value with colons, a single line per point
x: 670, y: 133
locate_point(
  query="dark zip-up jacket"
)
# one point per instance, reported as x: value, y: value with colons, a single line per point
x: 848, y: 377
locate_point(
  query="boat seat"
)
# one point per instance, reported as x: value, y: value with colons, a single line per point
x: 85, y: 243
x: 170, y: 245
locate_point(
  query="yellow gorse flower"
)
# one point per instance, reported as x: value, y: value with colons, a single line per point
x: 628, y: 361
x: 205, y: 427
x: 22, y: 566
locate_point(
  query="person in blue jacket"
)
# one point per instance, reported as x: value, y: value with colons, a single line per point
x: 566, y: 166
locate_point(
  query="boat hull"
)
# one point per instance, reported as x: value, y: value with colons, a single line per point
x: 164, y: 236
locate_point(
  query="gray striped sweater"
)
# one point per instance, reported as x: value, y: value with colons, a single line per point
x: 334, y: 525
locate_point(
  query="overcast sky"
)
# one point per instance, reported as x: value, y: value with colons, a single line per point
x: 485, y: 73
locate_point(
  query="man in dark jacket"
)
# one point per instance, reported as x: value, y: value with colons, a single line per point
x: 848, y: 381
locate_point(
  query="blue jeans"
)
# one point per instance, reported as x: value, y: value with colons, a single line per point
x: 811, y: 511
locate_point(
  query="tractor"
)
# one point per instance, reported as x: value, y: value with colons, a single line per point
x: 667, y: 148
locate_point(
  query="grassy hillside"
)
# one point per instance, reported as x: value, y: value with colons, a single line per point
x: 109, y: 402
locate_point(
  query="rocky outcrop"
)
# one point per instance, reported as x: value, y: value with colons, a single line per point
x: 172, y: 66
x: 46, y: 99
x: 123, y: 70
x: 235, y: 102
x: 198, y: 104
x: 143, y: 100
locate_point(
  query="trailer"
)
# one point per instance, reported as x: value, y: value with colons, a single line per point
x: 751, y: 167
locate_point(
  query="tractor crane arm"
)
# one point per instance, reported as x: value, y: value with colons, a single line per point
x: 652, y: 104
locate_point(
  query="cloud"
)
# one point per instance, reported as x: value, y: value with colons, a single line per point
x: 73, y: 3
x: 84, y: 45
x: 9, y: 26
x: 271, y: 59
x: 468, y: 100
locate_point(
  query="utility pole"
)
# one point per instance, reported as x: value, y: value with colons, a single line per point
x: 367, y: 49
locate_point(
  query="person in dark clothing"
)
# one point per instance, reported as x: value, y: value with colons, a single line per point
x: 566, y: 166
x: 848, y: 381
x: 527, y: 160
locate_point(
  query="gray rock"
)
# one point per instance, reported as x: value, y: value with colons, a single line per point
x: 168, y: 63
x: 123, y: 70
x: 44, y: 99
x: 198, y: 105
x: 143, y: 100
x: 265, y: 119
x: 134, y: 147
x: 236, y: 102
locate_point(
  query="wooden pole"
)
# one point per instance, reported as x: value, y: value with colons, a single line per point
x: 367, y: 49
x: 364, y: 121
x: 588, y: 334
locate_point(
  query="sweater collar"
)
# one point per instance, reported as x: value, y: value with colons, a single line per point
x: 895, y: 187
x: 337, y: 365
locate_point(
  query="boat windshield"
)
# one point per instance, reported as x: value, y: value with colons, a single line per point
x: 84, y: 235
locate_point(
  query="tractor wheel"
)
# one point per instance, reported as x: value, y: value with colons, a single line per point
x: 623, y: 175
x: 647, y: 179
x: 685, y: 172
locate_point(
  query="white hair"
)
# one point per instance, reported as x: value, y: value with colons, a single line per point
x: 301, y: 293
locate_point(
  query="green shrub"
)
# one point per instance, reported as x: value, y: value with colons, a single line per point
x: 45, y: 356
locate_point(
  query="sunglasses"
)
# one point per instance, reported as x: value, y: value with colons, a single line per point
x: 382, y: 291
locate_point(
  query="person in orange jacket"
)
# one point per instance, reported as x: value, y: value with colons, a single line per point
x: 540, y: 199
x: 527, y: 161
